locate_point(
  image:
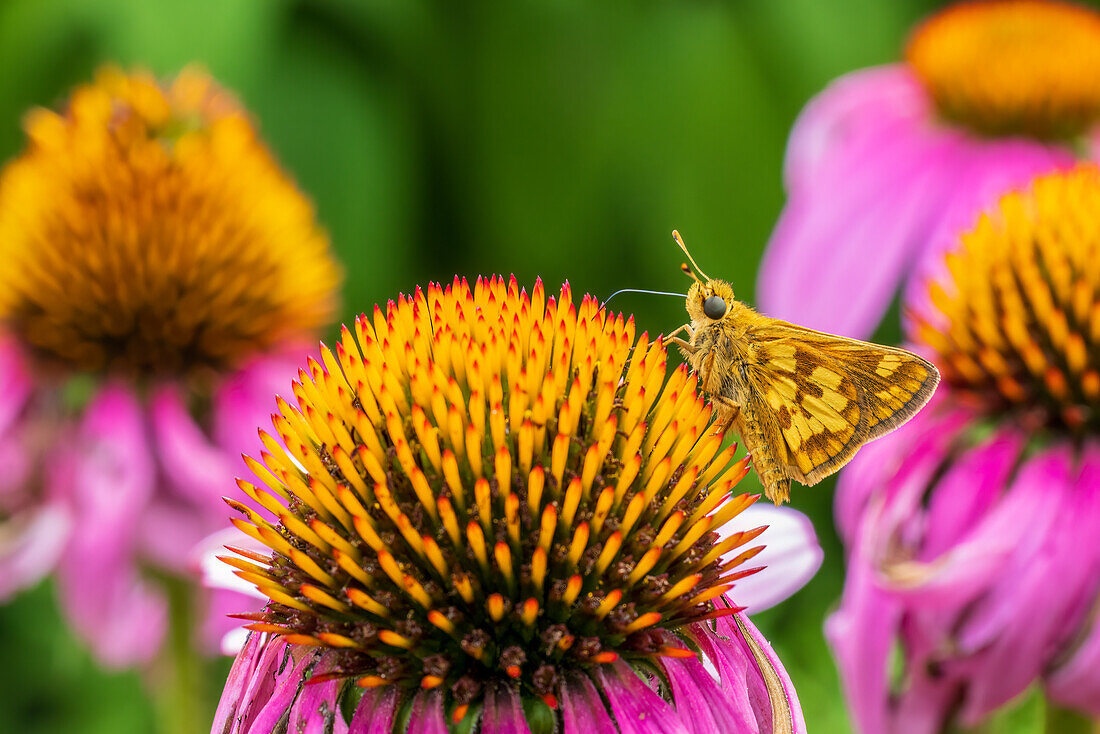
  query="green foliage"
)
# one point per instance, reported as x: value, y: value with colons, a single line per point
x: 558, y: 139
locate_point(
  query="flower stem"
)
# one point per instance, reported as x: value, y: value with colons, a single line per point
x: 178, y: 681
x: 1065, y: 721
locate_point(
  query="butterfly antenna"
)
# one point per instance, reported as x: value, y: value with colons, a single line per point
x: 680, y: 242
x: 639, y: 290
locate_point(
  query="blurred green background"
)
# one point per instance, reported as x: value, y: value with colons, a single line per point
x: 556, y: 138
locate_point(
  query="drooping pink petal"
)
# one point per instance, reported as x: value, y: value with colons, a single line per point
x: 967, y: 492
x: 502, y: 713
x: 1075, y: 680
x: 769, y: 683
x: 583, y: 711
x: 244, y: 667
x: 169, y: 526
x: 282, y: 676
x: 702, y: 704
x: 374, y: 713
x: 31, y: 542
x: 858, y: 213
x: 850, y: 106
x: 15, y: 383
x: 791, y: 555
x: 1015, y: 527
x: 862, y: 633
x: 903, y: 462
x: 108, y: 481
x: 427, y: 715
x: 636, y: 707
x: 315, y: 711
x: 1023, y: 619
x: 197, y: 469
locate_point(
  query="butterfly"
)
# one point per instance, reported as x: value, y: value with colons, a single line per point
x: 803, y: 401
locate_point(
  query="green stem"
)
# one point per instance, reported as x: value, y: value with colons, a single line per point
x: 1064, y: 721
x: 178, y: 684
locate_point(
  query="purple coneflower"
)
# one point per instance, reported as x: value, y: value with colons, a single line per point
x: 157, y: 270
x: 497, y: 512
x: 888, y: 164
x: 974, y: 566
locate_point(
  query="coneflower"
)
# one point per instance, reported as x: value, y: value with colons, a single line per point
x: 158, y: 270
x: 887, y: 165
x: 974, y: 570
x: 488, y: 510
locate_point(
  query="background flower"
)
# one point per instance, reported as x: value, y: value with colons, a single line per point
x: 158, y: 268
x: 971, y: 535
x: 886, y: 165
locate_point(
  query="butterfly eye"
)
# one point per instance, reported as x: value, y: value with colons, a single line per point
x: 714, y: 307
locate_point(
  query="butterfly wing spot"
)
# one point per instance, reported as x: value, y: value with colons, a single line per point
x: 826, y: 378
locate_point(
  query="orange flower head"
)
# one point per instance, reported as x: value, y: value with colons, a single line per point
x: 481, y: 487
x: 145, y: 229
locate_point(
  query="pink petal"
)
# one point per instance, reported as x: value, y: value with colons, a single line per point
x: 766, y: 666
x: 30, y: 544
x: 1075, y: 682
x: 583, y: 711
x: 901, y: 463
x: 701, y: 703
x: 636, y: 707
x: 859, y: 214
x: 245, y: 400
x: 1017, y: 525
x: 109, y: 481
x: 16, y: 383
x: 197, y: 470
x: 851, y: 104
x: 374, y: 714
x: 275, y: 690
x: 427, y: 715
x: 503, y: 713
x: 1023, y: 619
x: 240, y: 675
x: 791, y: 555
x: 315, y: 711
x: 862, y: 633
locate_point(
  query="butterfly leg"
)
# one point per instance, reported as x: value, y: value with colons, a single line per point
x: 685, y: 346
x: 728, y: 412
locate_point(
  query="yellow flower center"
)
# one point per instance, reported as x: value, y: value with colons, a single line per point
x: 1021, y: 307
x: 483, y: 486
x: 147, y: 230
x: 1012, y: 67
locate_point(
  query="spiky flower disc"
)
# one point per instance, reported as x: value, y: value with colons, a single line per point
x: 146, y: 230
x: 485, y: 487
x: 1018, y: 323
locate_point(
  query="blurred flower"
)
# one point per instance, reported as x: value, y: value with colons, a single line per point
x: 972, y: 532
x: 34, y: 522
x: 157, y: 269
x: 493, y: 507
x: 887, y: 165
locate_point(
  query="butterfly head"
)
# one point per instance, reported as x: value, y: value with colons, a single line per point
x: 708, y: 300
